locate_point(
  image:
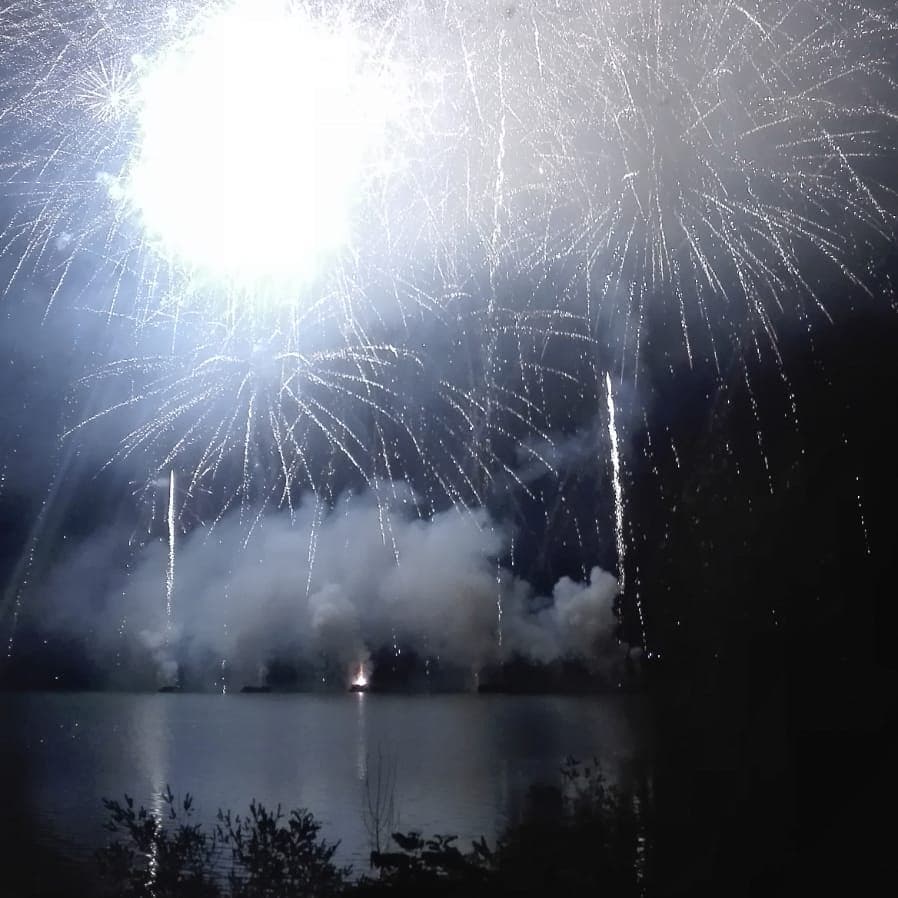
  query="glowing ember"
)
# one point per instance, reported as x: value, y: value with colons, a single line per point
x: 360, y: 679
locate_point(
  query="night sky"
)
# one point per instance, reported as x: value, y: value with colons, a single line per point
x: 757, y: 478
x: 760, y: 492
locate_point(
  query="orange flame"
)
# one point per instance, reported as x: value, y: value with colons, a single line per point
x: 360, y: 678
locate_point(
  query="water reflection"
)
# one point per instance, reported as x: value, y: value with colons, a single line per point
x: 361, y: 757
x: 462, y: 764
x: 154, y: 746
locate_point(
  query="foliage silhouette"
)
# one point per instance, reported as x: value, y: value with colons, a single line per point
x: 271, y: 859
x: 575, y: 839
x: 163, y: 854
x: 262, y: 855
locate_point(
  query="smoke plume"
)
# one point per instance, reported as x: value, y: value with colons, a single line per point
x: 327, y: 591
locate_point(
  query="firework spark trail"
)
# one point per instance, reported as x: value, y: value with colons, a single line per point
x: 859, y: 492
x: 727, y: 168
x: 619, y: 531
x: 231, y: 407
x: 42, y: 535
x: 172, y: 522
x: 618, y: 486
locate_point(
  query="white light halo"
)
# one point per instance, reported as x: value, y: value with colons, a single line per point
x: 258, y: 136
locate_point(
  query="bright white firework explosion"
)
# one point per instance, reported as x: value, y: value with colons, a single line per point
x: 527, y: 171
x: 259, y: 132
x: 700, y: 153
x: 246, y: 174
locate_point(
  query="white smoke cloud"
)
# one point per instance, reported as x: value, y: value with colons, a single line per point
x: 578, y: 622
x: 334, y: 592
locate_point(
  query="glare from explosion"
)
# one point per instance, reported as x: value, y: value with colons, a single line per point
x: 259, y: 132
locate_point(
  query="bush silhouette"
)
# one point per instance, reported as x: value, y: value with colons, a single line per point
x: 262, y: 855
x: 580, y: 838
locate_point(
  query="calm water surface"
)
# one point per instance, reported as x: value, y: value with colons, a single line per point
x: 463, y: 763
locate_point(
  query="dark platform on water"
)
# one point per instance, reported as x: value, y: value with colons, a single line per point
x: 254, y: 689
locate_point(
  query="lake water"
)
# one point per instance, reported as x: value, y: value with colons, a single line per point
x: 463, y: 763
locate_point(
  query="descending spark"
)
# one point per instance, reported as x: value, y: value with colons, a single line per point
x: 859, y: 495
x: 862, y: 517
x: 618, y: 487
x: 171, y: 518
x: 13, y: 596
x: 499, y: 609
x: 736, y: 160
x: 263, y: 424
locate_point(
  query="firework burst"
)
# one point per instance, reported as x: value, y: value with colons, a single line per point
x: 224, y: 155
x: 742, y: 162
x: 286, y: 201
